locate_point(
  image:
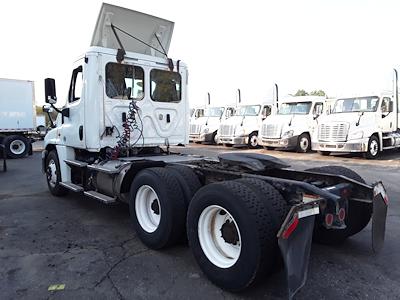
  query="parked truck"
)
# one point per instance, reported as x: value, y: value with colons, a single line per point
x: 367, y: 124
x: 242, y: 128
x: 17, y: 116
x: 112, y: 139
x: 204, y: 129
x: 292, y: 126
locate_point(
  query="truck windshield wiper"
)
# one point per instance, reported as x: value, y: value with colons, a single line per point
x: 359, y: 118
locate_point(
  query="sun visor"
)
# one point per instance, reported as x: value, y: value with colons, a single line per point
x: 141, y: 26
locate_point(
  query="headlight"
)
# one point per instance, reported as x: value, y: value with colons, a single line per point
x: 356, y: 135
x: 287, y: 134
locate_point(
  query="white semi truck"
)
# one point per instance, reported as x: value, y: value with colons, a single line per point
x: 204, y: 128
x: 292, y: 126
x: 128, y: 103
x: 242, y: 128
x: 17, y: 116
x: 367, y: 124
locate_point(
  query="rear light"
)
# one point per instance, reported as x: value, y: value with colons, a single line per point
x: 291, y: 227
x: 329, y: 219
x: 342, y: 214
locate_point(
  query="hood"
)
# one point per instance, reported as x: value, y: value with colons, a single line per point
x: 142, y: 26
x: 350, y: 118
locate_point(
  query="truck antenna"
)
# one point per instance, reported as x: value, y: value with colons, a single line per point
x: 239, y: 96
x: 276, y: 96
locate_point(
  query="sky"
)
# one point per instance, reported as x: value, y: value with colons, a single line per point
x: 343, y: 47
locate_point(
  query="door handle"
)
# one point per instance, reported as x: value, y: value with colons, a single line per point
x: 168, y: 118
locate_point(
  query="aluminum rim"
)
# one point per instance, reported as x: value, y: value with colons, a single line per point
x: 148, y: 209
x: 253, y: 141
x: 52, y: 173
x: 17, y: 147
x: 373, y: 148
x: 304, y: 143
x: 221, y: 253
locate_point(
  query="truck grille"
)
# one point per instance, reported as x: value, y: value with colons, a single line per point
x: 335, y: 132
x: 271, y: 131
x: 194, y: 129
x: 226, y: 130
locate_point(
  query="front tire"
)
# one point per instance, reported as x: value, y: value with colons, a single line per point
x: 157, y: 207
x: 304, y: 143
x: 232, y: 234
x: 358, y: 214
x: 253, y: 140
x: 373, y: 148
x: 17, y: 146
x: 53, y: 175
x: 324, y: 153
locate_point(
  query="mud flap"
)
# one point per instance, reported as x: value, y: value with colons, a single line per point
x: 295, y: 249
x: 379, y: 213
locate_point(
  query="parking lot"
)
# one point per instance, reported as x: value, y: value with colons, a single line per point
x: 93, y: 250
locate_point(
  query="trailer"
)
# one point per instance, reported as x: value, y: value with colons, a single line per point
x: 240, y: 212
x: 17, y: 116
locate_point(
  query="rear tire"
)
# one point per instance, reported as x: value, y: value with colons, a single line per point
x: 247, y: 223
x: 157, y: 207
x: 228, y: 145
x: 17, y: 146
x: 188, y: 181
x: 268, y: 148
x: 53, y: 175
x: 358, y: 214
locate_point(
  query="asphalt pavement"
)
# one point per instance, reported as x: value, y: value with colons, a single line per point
x: 92, y: 250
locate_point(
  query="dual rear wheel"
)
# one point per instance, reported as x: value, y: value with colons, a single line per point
x: 231, y: 226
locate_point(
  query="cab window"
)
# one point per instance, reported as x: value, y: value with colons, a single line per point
x: 75, y: 88
x: 124, y: 81
x: 165, y: 86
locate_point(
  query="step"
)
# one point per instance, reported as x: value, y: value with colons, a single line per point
x: 72, y: 186
x: 75, y: 163
x: 100, y: 197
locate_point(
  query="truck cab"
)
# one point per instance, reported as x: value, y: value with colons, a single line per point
x: 242, y: 128
x: 204, y: 128
x: 366, y: 124
x: 292, y: 126
x: 112, y: 98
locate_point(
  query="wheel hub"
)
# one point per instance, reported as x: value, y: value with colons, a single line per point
x: 154, y: 207
x: 229, y: 233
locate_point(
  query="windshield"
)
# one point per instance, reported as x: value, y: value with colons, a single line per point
x: 295, y: 108
x: 248, y: 110
x: 214, y: 112
x: 356, y: 104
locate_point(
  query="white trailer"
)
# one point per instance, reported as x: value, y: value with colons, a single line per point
x: 17, y: 116
x: 111, y: 142
x: 292, y: 126
x: 367, y: 124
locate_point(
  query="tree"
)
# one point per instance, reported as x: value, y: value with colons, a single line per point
x: 301, y: 93
x: 318, y: 93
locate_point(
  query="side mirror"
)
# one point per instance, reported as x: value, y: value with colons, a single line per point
x: 50, y: 90
x: 315, y: 116
x: 390, y: 106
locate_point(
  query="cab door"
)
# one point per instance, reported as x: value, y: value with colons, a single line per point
x: 73, y: 133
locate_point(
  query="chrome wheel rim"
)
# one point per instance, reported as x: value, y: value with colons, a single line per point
x: 253, y: 141
x: 52, y: 173
x: 373, y: 148
x: 304, y: 143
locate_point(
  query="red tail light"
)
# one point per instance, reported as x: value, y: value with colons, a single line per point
x: 329, y: 219
x: 342, y: 214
